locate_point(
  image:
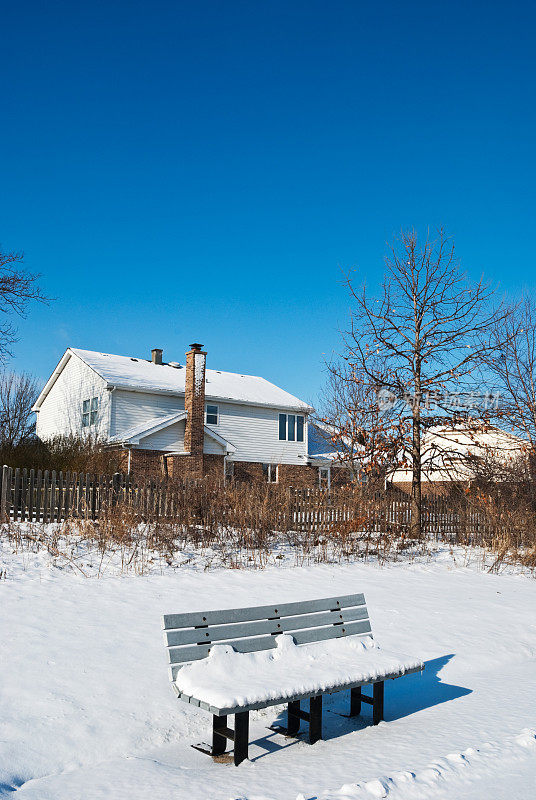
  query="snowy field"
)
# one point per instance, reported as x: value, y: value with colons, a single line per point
x: 87, y: 711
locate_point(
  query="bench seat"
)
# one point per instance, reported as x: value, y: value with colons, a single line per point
x: 226, y: 681
x: 236, y: 660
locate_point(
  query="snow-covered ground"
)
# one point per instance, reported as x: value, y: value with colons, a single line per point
x: 87, y: 711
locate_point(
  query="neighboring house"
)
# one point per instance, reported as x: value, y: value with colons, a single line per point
x: 181, y: 419
x: 335, y: 463
x: 461, y: 453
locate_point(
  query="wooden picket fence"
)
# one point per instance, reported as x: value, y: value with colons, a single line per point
x: 388, y: 510
x: 48, y: 496
x: 316, y: 508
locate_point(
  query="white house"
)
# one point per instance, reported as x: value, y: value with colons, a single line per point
x: 461, y: 452
x: 181, y: 418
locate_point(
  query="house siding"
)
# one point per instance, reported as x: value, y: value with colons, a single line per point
x: 170, y: 438
x: 61, y: 411
x: 135, y: 408
x: 253, y: 430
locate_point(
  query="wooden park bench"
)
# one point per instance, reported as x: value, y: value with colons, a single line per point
x: 190, y: 637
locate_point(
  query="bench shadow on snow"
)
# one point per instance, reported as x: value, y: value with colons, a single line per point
x: 404, y: 696
x: 418, y: 691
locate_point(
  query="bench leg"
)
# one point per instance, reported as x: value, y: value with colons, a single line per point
x: 219, y: 742
x: 355, y: 701
x: 315, y: 719
x: 377, y: 707
x: 293, y: 718
x: 241, y: 735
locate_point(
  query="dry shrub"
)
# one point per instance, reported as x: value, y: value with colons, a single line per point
x: 244, y: 525
x: 501, y: 518
x: 63, y: 454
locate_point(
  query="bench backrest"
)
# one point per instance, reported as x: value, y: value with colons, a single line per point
x: 189, y: 636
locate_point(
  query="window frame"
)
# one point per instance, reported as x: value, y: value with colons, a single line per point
x: 296, y: 427
x: 207, y: 414
x: 327, y: 484
x: 93, y: 411
x: 270, y: 472
x: 90, y: 411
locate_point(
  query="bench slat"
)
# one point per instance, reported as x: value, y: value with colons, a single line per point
x: 230, y: 615
x: 215, y: 633
x: 180, y: 655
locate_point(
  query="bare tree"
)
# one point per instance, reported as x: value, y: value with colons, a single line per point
x: 512, y: 363
x: 421, y: 342
x: 18, y: 288
x: 366, y: 436
x: 18, y: 393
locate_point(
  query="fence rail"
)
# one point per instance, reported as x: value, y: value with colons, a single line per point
x: 48, y: 496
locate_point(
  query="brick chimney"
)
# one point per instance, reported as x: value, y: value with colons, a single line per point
x: 194, y: 404
x: 156, y: 355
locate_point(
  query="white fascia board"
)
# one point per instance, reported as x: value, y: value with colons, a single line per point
x: 52, y: 380
x: 216, y: 436
x: 165, y: 423
x: 326, y: 461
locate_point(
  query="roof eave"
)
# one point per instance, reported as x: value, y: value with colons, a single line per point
x: 230, y: 448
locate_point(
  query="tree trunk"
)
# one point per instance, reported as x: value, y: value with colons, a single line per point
x: 415, y: 529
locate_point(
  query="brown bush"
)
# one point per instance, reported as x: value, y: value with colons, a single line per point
x: 63, y: 453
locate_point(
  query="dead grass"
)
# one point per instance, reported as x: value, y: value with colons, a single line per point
x: 507, y: 523
x: 241, y: 526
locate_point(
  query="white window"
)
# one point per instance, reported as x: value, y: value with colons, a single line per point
x: 291, y: 427
x: 90, y: 412
x: 270, y: 473
x: 211, y: 415
x: 324, y: 477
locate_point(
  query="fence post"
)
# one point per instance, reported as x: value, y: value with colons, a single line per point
x: 116, y: 486
x: 94, y: 483
x: 6, y: 479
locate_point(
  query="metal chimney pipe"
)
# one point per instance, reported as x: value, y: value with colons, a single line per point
x: 156, y: 355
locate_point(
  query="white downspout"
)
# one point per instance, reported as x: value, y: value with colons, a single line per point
x: 111, y: 390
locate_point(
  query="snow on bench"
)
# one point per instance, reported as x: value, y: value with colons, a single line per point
x: 236, y: 660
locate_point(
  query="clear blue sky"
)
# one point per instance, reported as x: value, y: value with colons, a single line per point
x: 203, y: 171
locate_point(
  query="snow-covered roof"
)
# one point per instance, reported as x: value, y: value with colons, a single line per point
x: 138, y: 374
x: 470, y: 438
x: 137, y: 432
x: 448, y: 450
